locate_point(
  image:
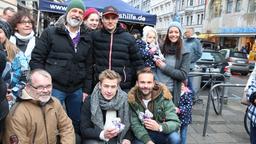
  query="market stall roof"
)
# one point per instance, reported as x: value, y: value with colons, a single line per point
x: 127, y: 13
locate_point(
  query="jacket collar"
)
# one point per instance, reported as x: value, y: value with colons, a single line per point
x: 26, y: 97
x: 158, y: 89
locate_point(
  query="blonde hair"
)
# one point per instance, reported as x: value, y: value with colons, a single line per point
x: 146, y: 30
x: 11, y: 50
x: 109, y: 74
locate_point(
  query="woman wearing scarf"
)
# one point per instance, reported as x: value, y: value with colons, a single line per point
x: 105, y: 114
x: 23, y: 26
x: 175, y: 68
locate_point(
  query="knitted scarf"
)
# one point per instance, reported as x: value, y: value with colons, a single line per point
x: 31, y: 42
x: 118, y: 103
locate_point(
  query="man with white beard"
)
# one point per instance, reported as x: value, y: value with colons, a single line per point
x: 64, y: 50
x: 37, y: 117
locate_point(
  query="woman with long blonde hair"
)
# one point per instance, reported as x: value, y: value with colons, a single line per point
x: 17, y: 65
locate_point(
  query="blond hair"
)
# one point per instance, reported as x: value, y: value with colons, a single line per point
x: 109, y: 74
x: 11, y: 50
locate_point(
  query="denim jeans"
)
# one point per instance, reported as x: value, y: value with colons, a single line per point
x: 161, y: 138
x: 253, y: 134
x: 183, y: 134
x: 73, y: 104
x: 190, y: 86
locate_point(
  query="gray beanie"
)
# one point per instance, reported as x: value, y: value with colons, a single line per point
x: 178, y: 25
x: 6, y: 28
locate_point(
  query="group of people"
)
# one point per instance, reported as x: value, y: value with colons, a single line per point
x: 114, y: 88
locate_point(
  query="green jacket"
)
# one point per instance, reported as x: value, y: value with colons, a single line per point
x: 161, y: 106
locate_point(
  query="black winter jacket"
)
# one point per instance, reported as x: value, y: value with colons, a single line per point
x: 119, y: 52
x: 70, y: 69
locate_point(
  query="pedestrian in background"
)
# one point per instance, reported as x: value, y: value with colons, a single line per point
x: 194, y: 46
x: 24, y: 37
x: 8, y: 13
x: 64, y: 50
x: 91, y: 18
x: 184, y: 111
x: 175, y: 68
x: 115, y: 49
x: 105, y: 114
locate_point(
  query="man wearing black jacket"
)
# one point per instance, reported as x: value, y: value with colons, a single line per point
x: 115, y: 49
x: 64, y: 50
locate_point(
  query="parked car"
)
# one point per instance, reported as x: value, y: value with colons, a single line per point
x: 208, y: 45
x: 237, y: 60
x: 212, y: 62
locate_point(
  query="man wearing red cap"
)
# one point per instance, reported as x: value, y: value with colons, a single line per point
x: 64, y: 50
x: 115, y: 49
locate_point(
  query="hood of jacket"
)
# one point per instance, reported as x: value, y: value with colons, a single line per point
x: 157, y: 90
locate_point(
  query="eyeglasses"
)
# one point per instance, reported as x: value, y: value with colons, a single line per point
x: 25, y: 22
x: 41, y: 88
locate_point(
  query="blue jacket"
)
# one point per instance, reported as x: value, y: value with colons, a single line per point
x: 195, y: 48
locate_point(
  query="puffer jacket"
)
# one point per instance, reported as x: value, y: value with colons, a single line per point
x: 32, y: 123
x: 69, y: 66
x: 161, y: 106
x: 117, y: 51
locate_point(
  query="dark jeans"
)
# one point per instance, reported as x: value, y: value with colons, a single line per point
x: 73, y: 104
x: 161, y: 138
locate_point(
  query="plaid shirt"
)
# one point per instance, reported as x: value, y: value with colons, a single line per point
x: 251, y: 95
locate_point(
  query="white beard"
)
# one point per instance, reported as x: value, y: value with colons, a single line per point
x: 74, y: 22
x: 44, y: 99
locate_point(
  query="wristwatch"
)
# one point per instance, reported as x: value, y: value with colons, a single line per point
x: 160, y: 128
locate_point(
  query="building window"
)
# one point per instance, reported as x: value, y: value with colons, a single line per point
x: 191, y: 3
x: 229, y: 6
x: 198, y: 19
x: 216, y: 8
x: 181, y: 20
x: 252, y: 6
x: 191, y: 20
x: 187, y: 20
x: 238, y: 5
x: 202, y: 18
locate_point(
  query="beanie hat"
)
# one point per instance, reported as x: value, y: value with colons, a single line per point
x: 5, y: 26
x: 146, y: 30
x: 90, y: 11
x: 75, y: 4
x: 178, y: 25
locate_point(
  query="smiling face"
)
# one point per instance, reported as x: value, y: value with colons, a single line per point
x: 146, y: 83
x: 173, y: 34
x: 75, y: 17
x: 92, y: 21
x: 24, y: 27
x: 109, y: 21
x: 108, y: 88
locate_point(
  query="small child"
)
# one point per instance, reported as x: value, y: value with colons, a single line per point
x: 184, y: 111
x: 149, y: 48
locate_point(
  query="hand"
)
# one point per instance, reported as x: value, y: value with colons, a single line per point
x: 9, y: 95
x: 160, y: 63
x: 110, y: 133
x: 85, y: 95
x: 152, y: 50
x: 151, y: 124
x: 150, y: 142
x: 126, y: 141
x: 177, y: 110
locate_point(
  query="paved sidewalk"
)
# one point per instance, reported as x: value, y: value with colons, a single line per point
x: 227, y: 128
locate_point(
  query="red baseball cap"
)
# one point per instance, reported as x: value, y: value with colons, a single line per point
x: 110, y: 10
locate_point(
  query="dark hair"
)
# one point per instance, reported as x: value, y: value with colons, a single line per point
x: 167, y: 45
x: 8, y: 9
x: 17, y: 18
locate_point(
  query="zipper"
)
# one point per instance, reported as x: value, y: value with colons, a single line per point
x: 46, y: 132
x: 124, y: 74
x: 110, y: 52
